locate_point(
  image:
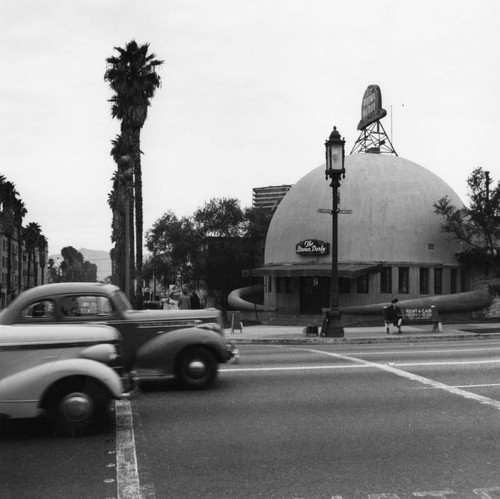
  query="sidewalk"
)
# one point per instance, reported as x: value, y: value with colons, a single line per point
x: 294, y: 334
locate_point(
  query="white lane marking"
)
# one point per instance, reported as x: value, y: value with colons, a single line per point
x: 426, y: 352
x: 366, y: 364
x: 482, y: 385
x: 288, y: 368
x: 414, y: 377
x: 127, y: 476
x: 445, y: 363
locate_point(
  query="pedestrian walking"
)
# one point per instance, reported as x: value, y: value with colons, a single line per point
x: 184, y: 301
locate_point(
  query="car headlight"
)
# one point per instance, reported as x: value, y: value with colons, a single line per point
x: 211, y: 326
x: 104, y: 352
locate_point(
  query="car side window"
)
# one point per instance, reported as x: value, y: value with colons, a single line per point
x: 44, y: 309
x: 86, y: 306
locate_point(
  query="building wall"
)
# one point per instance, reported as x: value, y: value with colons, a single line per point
x: 17, y: 285
x: 286, y: 298
x: 389, y: 222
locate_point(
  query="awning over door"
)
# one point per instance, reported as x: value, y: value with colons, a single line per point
x: 349, y: 270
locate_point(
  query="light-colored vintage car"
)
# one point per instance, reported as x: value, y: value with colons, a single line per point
x: 69, y: 373
x: 186, y: 344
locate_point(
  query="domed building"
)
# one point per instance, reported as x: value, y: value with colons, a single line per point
x: 390, y: 242
x: 389, y: 238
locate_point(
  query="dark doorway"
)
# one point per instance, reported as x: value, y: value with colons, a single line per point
x: 314, y: 294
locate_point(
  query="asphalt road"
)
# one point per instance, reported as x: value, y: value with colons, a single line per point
x: 338, y: 421
x: 330, y: 422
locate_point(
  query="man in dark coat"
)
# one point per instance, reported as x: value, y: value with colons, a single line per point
x: 394, y: 314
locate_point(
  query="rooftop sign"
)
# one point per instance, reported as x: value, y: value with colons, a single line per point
x: 371, y: 107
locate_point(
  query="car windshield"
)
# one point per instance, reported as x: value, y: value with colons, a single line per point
x: 121, y: 301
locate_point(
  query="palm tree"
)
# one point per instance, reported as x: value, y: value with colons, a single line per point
x: 32, y: 233
x: 20, y: 212
x: 42, y: 253
x: 119, y: 202
x: 133, y: 77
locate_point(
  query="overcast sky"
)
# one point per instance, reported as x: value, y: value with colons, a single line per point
x: 250, y: 91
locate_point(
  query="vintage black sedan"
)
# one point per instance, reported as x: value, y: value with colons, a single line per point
x: 187, y: 344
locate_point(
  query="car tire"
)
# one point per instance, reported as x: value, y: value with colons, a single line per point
x: 196, y: 369
x: 77, y: 405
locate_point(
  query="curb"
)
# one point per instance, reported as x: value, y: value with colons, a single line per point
x: 363, y: 341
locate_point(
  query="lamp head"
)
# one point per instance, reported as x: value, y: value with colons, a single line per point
x: 335, y: 153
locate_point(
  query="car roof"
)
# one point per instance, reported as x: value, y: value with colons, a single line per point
x: 66, y: 287
x: 10, y: 313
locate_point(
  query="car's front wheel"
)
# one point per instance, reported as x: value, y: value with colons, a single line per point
x: 77, y: 405
x: 196, y: 368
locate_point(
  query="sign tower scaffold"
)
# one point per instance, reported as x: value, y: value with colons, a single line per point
x: 373, y: 137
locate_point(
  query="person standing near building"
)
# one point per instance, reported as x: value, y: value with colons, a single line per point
x: 394, y: 314
x: 195, y: 301
x: 184, y: 300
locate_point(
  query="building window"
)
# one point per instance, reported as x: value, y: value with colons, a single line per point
x: 278, y: 285
x: 404, y: 280
x: 424, y: 281
x: 269, y: 283
x: 386, y: 280
x: 288, y: 284
x: 362, y: 284
x: 438, y: 281
x: 453, y: 280
x: 344, y: 285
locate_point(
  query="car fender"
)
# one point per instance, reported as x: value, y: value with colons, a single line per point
x: 160, y: 353
x: 21, y: 393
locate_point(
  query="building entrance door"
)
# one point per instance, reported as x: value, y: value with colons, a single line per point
x: 314, y: 294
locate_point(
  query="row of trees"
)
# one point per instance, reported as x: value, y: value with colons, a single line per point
x: 12, y: 213
x: 133, y: 78
x: 478, y: 225
x: 211, y: 246
x: 73, y: 268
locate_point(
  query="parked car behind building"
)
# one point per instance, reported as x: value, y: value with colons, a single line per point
x: 187, y: 344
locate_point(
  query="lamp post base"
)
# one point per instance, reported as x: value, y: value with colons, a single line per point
x: 332, y: 325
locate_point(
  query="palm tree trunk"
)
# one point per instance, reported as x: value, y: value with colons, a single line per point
x: 9, y: 267
x: 138, y: 202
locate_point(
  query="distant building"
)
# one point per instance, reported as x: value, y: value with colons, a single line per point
x: 22, y: 273
x: 268, y: 198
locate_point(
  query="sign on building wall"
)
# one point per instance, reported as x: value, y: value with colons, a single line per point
x: 312, y: 247
x: 371, y: 107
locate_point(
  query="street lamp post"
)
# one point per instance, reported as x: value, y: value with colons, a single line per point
x: 335, y: 154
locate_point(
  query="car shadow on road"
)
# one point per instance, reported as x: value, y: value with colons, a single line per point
x: 39, y: 428
x: 162, y: 384
x: 19, y: 429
